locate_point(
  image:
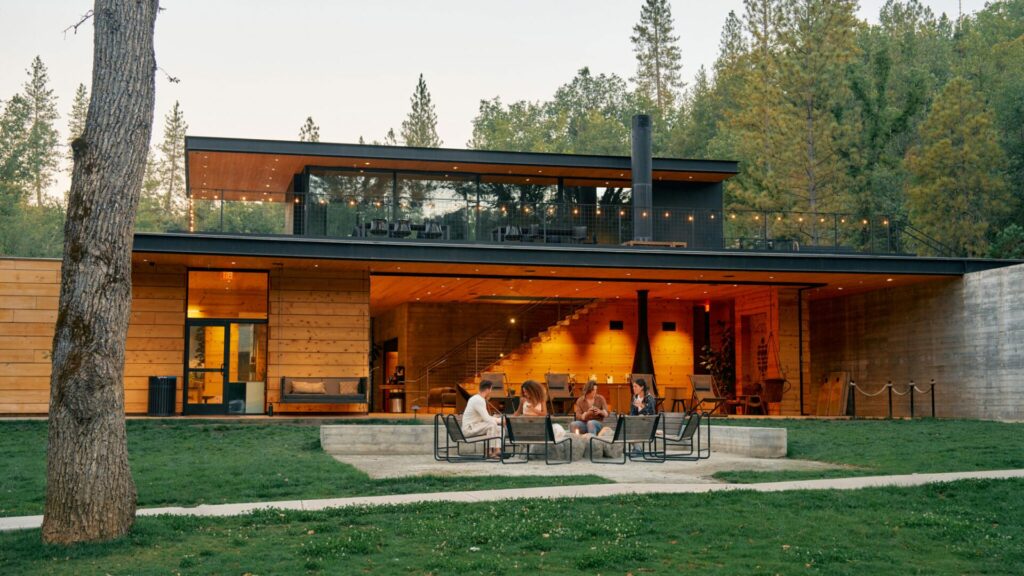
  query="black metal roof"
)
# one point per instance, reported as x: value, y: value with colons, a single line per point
x: 453, y: 155
x: 555, y: 255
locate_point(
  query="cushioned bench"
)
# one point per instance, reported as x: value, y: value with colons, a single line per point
x: 321, y: 394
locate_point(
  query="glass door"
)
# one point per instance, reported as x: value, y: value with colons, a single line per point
x: 206, y: 359
x: 246, y: 368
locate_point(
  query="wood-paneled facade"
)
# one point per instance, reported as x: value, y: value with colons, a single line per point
x: 318, y: 327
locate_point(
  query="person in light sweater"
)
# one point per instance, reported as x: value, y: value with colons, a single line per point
x: 477, y: 421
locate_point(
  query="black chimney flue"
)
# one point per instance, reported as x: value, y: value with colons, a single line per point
x: 643, y: 363
x: 642, y: 180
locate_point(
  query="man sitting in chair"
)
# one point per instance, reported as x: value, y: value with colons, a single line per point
x: 477, y: 421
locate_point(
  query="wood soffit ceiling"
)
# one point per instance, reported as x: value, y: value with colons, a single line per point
x: 392, y: 284
x: 268, y: 176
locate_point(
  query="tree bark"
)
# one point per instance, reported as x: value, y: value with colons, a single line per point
x: 90, y: 494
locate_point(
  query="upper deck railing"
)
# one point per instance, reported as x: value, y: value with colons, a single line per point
x: 511, y: 222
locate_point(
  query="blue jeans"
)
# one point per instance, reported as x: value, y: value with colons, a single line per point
x: 591, y: 427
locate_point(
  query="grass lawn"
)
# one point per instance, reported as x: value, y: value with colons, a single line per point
x: 186, y: 462
x: 872, y: 447
x: 969, y: 527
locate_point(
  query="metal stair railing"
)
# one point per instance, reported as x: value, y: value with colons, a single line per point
x: 919, y: 236
x: 490, y: 344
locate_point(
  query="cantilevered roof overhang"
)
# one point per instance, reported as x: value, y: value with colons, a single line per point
x: 236, y: 167
x: 578, y: 260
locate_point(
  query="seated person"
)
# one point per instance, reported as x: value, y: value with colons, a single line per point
x: 591, y: 410
x: 644, y: 403
x: 535, y: 403
x: 477, y: 421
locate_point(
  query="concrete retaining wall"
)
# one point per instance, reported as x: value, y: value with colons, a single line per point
x: 966, y: 334
x: 356, y: 439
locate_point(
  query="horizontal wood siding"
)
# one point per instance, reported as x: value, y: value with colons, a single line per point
x: 319, y: 327
x: 28, y: 311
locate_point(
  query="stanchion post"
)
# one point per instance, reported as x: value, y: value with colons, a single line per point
x: 911, y: 399
x: 889, y: 386
x: 853, y: 398
x: 931, y: 392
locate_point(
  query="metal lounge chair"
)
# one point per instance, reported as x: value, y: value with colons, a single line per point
x: 638, y: 431
x: 705, y: 391
x: 454, y: 439
x: 558, y: 391
x: 683, y: 430
x: 524, y: 432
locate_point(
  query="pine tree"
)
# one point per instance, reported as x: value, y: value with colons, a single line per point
x: 15, y: 180
x: 76, y: 120
x: 309, y: 132
x: 420, y: 126
x: 171, y: 164
x: 42, y: 157
x: 658, y: 59
x: 752, y: 129
x: 818, y: 43
x: 959, y: 187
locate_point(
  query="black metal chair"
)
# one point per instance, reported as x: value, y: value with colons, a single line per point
x: 431, y: 230
x: 636, y: 431
x: 402, y: 229
x: 454, y: 439
x: 378, y: 227
x: 682, y: 430
x: 509, y: 234
x: 524, y: 432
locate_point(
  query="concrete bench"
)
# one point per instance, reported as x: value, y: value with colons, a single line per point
x: 400, y: 439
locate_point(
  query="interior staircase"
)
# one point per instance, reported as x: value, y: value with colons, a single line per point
x: 505, y: 361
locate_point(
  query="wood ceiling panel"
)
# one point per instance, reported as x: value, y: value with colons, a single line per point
x: 392, y: 284
x: 271, y: 174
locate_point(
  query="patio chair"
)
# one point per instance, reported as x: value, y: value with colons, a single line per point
x: 431, y: 230
x: 442, y: 397
x: 683, y: 430
x: 378, y: 227
x: 454, y: 440
x: 497, y: 379
x: 402, y: 229
x: 558, y: 391
x: 705, y: 391
x: 524, y: 432
x: 637, y: 431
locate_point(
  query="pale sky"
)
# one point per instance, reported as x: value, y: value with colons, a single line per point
x: 257, y: 68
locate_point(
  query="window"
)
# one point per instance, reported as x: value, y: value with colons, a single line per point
x: 227, y: 294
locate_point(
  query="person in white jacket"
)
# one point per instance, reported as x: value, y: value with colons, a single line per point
x: 477, y: 421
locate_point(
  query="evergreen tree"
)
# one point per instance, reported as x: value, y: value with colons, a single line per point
x: 959, y: 188
x: 14, y: 143
x: 76, y: 120
x: 171, y: 164
x: 42, y: 155
x: 420, y: 126
x: 753, y: 129
x: 818, y: 43
x: 658, y: 60
x: 692, y: 137
x: 309, y: 132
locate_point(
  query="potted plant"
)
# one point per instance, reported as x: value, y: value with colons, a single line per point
x: 721, y: 363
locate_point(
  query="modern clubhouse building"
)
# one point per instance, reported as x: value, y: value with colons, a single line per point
x: 310, y: 272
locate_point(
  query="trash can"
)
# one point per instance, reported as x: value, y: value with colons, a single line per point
x: 235, y: 397
x: 396, y: 404
x: 161, y: 395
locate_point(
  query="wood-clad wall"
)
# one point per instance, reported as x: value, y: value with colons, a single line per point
x: 780, y: 307
x: 28, y: 311
x: 156, y: 333
x: 319, y: 327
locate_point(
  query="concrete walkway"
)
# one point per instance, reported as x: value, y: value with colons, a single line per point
x: 585, y: 491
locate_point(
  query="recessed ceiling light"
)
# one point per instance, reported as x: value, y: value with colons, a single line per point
x: 888, y: 279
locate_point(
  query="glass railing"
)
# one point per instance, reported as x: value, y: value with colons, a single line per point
x: 515, y: 222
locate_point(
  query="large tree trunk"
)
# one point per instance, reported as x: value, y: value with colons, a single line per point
x: 90, y: 494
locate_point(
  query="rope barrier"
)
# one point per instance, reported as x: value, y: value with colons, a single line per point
x: 889, y: 388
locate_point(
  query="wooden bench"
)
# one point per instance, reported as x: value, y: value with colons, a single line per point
x: 321, y: 394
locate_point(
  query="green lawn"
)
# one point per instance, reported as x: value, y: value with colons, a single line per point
x: 185, y: 462
x: 972, y: 527
x: 870, y: 447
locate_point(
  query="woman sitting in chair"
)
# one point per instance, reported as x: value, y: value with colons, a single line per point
x: 644, y: 403
x: 591, y: 410
x: 535, y: 403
